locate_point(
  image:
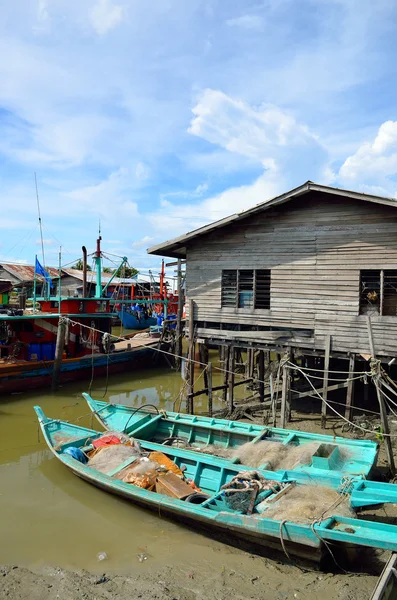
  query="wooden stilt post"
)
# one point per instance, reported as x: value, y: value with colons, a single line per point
x: 230, y: 395
x: 290, y: 385
x: 209, y: 387
x: 190, y: 377
x: 178, y: 331
x: 382, y: 407
x: 350, y: 388
x: 252, y: 363
x: 226, y: 354
x: 261, y: 375
x: 325, y: 381
x: 284, y: 396
x: 247, y: 362
x: 58, y: 354
x: 203, y: 353
x: 272, y: 401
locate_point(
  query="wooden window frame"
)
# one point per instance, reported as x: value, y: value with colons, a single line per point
x: 382, y: 273
x: 237, y: 291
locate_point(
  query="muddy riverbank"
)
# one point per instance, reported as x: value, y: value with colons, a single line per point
x: 232, y: 575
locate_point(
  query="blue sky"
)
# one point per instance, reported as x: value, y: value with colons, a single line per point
x: 158, y: 117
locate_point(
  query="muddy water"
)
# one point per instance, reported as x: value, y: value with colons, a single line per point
x: 49, y: 516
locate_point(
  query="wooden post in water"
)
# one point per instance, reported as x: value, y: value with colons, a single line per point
x: 203, y: 353
x: 382, y: 407
x: 178, y: 331
x: 58, y: 354
x: 252, y: 363
x: 209, y: 387
x: 284, y: 396
x: 350, y: 387
x: 190, y: 369
x: 325, y: 381
x: 225, y: 354
x: 230, y: 392
x: 261, y: 375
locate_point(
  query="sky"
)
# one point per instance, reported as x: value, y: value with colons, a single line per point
x: 155, y: 118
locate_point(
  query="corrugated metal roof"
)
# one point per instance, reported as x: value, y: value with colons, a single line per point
x: 176, y: 246
x: 26, y: 272
x: 105, y: 277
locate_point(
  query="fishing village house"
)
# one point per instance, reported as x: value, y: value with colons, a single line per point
x: 22, y: 277
x: 300, y: 274
x: 119, y: 287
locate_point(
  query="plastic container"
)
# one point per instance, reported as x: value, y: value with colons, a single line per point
x: 47, y: 351
x: 172, y: 318
x: 34, y: 352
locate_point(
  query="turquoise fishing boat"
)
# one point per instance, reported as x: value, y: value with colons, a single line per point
x: 331, y: 456
x: 212, y: 509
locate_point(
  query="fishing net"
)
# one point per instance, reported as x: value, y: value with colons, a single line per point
x: 309, y: 503
x: 273, y: 455
x: 108, y: 458
x: 242, y: 490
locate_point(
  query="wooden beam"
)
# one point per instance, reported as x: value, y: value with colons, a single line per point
x: 310, y: 393
x: 261, y: 375
x: 205, y: 390
x: 272, y: 400
x: 60, y: 343
x: 173, y: 264
x: 350, y: 387
x: 190, y: 377
x: 382, y: 407
x: 325, y: 381
x: 203, y: 353
x: 230, y: 393
x: 178, y: 331
x: 284, y: 397
x: 209, y: 383
x: 225, y: 355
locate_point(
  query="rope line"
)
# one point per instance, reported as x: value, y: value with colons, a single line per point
x: 284, y: 362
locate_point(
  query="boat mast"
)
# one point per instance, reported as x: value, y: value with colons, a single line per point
x: 45, y: 284
x: 98, y: 266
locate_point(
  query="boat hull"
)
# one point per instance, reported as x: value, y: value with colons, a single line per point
x: 354, y: 458
x: 210, y: 474
x: 130, y: 321
x: 31, y: 375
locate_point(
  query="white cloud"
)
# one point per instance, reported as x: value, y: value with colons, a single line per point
x: 109, y: 198
x: 251, y: 22
x: 46, y: 242
x: 143, y: 242
x: 286, y: 149
x: 142, y: 172
x: 11, y: 260
x: 256, y: 133
x: 106, y: 16
x: 43, y: 24
x: 186, y: 194
x: 375, y: 162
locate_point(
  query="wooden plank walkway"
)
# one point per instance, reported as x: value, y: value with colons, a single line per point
x: 135, y: 342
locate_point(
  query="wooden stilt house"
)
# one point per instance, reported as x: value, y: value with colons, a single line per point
x: 291, y: 271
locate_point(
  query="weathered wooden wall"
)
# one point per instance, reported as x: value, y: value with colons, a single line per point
x: 315, y: 246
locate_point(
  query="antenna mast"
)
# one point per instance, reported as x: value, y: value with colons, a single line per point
x: 38, y: 210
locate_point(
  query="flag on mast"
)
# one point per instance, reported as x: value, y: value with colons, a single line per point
x: 40, y: 270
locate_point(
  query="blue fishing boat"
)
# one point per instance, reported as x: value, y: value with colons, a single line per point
x: 135, y: 317
x: 330, y: 455
x: 213, y: 505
